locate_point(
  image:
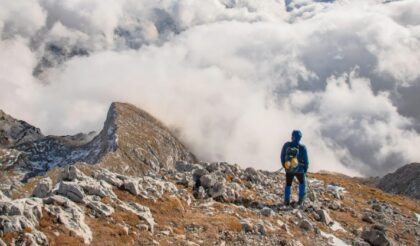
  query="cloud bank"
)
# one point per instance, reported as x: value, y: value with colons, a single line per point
x: 232, y: 77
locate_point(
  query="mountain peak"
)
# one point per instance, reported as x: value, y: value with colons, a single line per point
x: 141, y: 137
x: 131, y: 141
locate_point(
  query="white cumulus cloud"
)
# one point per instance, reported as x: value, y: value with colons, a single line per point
x: 233, y: 77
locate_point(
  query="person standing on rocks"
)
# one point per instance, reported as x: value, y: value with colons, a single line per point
x: 294, y: 158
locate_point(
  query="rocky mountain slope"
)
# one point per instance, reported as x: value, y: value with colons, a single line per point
x: 404, y: 181
x: 147, y: 189
x: 13, y: 131
x: 86, y: 204
x: 130, y: 136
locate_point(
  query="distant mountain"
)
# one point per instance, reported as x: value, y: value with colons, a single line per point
x: 131, y: 141
x: 404, y: 181
x: 143, y: 143
x: 13, y: 131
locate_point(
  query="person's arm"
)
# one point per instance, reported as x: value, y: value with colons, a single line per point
x: 283, y: 154
x: 305, y: 159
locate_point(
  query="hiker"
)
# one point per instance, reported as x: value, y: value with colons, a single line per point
x: 294, y: 159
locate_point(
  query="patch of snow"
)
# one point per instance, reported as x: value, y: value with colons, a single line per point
x: 337, y: 226
x: 336, y: 188
x: 316, y: 183
x: 418, y: 216
x: 333, y: 240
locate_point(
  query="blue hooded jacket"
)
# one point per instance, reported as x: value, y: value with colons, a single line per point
x: 302, y: 156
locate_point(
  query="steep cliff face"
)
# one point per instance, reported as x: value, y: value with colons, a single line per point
x: 131, y: 141
x: 404, y: 181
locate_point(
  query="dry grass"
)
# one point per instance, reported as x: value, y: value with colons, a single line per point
x: 171, y: 211
x: 9, y: 236
x: 63, y: 237
x: 361, y: 193
x: 357, y: 197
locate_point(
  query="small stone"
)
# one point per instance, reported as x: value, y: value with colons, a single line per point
x: 132, y: 186
x: 377, y: 207
x: 316, y: 216
x: 266, y: 211
x: 246, y: 225
x: 306, y: 225
x: 376, y: 237
x: 335, y: 205
x: 260, y: 228
x: 143, y: 227
x: 199, y: 172
x: 379, y: 227
x: 325, y: 217
x: 207, y: 181
x: 367, y: 217
x: 71, y: 173
x: 100, y: 209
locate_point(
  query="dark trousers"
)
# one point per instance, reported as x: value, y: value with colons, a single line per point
x: 290, y: 176
x: 288, y: 187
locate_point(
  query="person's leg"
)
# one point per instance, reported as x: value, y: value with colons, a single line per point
x: 302, y: 187
x: 288, y: 187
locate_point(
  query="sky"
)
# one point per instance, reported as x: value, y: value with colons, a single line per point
x: 232, y: 78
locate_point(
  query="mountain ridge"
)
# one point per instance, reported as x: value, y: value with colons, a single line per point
x: 39, y: 153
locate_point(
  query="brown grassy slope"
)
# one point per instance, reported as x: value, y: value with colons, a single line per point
x: 357, y: 198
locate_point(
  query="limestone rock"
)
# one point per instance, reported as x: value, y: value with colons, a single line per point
x: 376, y: 237
x: 72, y: 191
x: 306, y: 225
x: 107, y: 176
x: 142, y: 211
x: 252, y: 175
x: 99, y: 208
x: 43, y: 188
x: 266, y: 211
x: 70, y: 215
x: 19, y: 214
x: 247, y: 225
x: 325, y: 217
x: 92, y: 187
x: 132, y: 185
x: 208, y: 181
x: 71, y: 173
x: 183, y: 166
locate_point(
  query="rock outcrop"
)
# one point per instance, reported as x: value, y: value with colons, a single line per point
x: 14, y: 132
x: 404, y: 181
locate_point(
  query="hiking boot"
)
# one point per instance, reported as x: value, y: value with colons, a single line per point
x: 295, y: 205
x: 300, y: 202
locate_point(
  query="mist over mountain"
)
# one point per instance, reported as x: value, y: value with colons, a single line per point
x: 233, y: 78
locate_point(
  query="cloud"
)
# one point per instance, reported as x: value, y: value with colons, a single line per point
x: 234, y: 78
